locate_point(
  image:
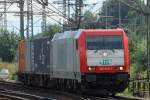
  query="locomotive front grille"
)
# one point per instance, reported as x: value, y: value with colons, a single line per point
x: 106, y: 77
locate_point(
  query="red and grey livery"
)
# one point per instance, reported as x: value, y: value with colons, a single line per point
x: 84, y: 59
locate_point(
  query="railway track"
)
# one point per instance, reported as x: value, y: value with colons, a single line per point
x: 17, y: 91
x: 16, y: 95
x: 9, y: 97
x: 109, y: 98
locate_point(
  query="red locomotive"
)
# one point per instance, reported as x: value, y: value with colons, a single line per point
x: 95, y: 59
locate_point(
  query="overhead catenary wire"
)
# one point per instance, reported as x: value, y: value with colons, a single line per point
x: 119, y: 13
x: 36, y: 7
x: 60, y: 13
x: 49, y: 9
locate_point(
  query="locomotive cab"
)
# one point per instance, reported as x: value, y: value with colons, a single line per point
x: 105, y: 51
x: 104, y: 59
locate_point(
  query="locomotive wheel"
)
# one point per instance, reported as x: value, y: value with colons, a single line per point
x: 65, y: 85
x: 57, y: 84
x: 68, y: 86
x: 74, y: 86
x: 79, y: 90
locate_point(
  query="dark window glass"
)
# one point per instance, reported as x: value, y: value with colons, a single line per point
x: 94, y: 43
x: 103, y: 42
x: 112, y: 42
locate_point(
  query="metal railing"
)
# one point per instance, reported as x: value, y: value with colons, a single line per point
x: 140, y: 88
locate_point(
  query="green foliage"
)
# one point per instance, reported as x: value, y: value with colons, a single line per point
x: 51, y: 30
x: 111, y: 8
x: 141, y: 55
x: 138, y: 53
x: 89, y: 17
x: 8, y: 45
x: 12, y: 67
x: 90, y: 21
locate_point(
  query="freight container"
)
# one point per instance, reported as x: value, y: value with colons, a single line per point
x: 27, y: 56
x: 21, y: 56
x: 40, y: 55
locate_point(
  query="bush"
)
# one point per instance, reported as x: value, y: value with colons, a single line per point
x: 8, y: 45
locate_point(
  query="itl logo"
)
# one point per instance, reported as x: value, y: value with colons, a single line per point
x: 106, y: 61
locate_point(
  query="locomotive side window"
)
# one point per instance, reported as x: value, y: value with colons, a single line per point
x: 103, y: 42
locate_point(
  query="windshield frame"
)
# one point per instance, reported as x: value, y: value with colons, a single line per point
x: 103, y: 44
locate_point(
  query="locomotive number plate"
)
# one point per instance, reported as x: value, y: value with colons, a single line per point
x: 106, y: 61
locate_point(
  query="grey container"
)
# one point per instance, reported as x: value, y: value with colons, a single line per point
x: 27, y: 56
x: 40, y: 55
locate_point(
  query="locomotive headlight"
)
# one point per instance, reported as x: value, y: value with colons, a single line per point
x: 91, y: 68
x: 121, y: 68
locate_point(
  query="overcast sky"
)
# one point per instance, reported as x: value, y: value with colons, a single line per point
x: 13, y: 19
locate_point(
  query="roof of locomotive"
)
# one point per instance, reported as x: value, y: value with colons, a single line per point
x: 66, y: 34
x: 76, y: 34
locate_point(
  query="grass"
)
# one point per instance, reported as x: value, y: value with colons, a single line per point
x: 12, y: 67
x: 127, y: 93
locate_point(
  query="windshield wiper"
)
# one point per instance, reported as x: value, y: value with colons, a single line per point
x: 96, y: 51
x: 113, y: 50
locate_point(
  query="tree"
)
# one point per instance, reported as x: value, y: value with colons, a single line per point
x: 111, y: 8
x: 90, y: 21
x: 51, y: 30
x: 8, y: 45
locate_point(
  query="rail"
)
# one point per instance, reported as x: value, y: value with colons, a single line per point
x: 16, y: 95
x: 22, y: 92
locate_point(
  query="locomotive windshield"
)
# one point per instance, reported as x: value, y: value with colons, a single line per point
x: 103, y: 42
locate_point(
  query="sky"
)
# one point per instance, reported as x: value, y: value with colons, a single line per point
x: 14, y: 21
